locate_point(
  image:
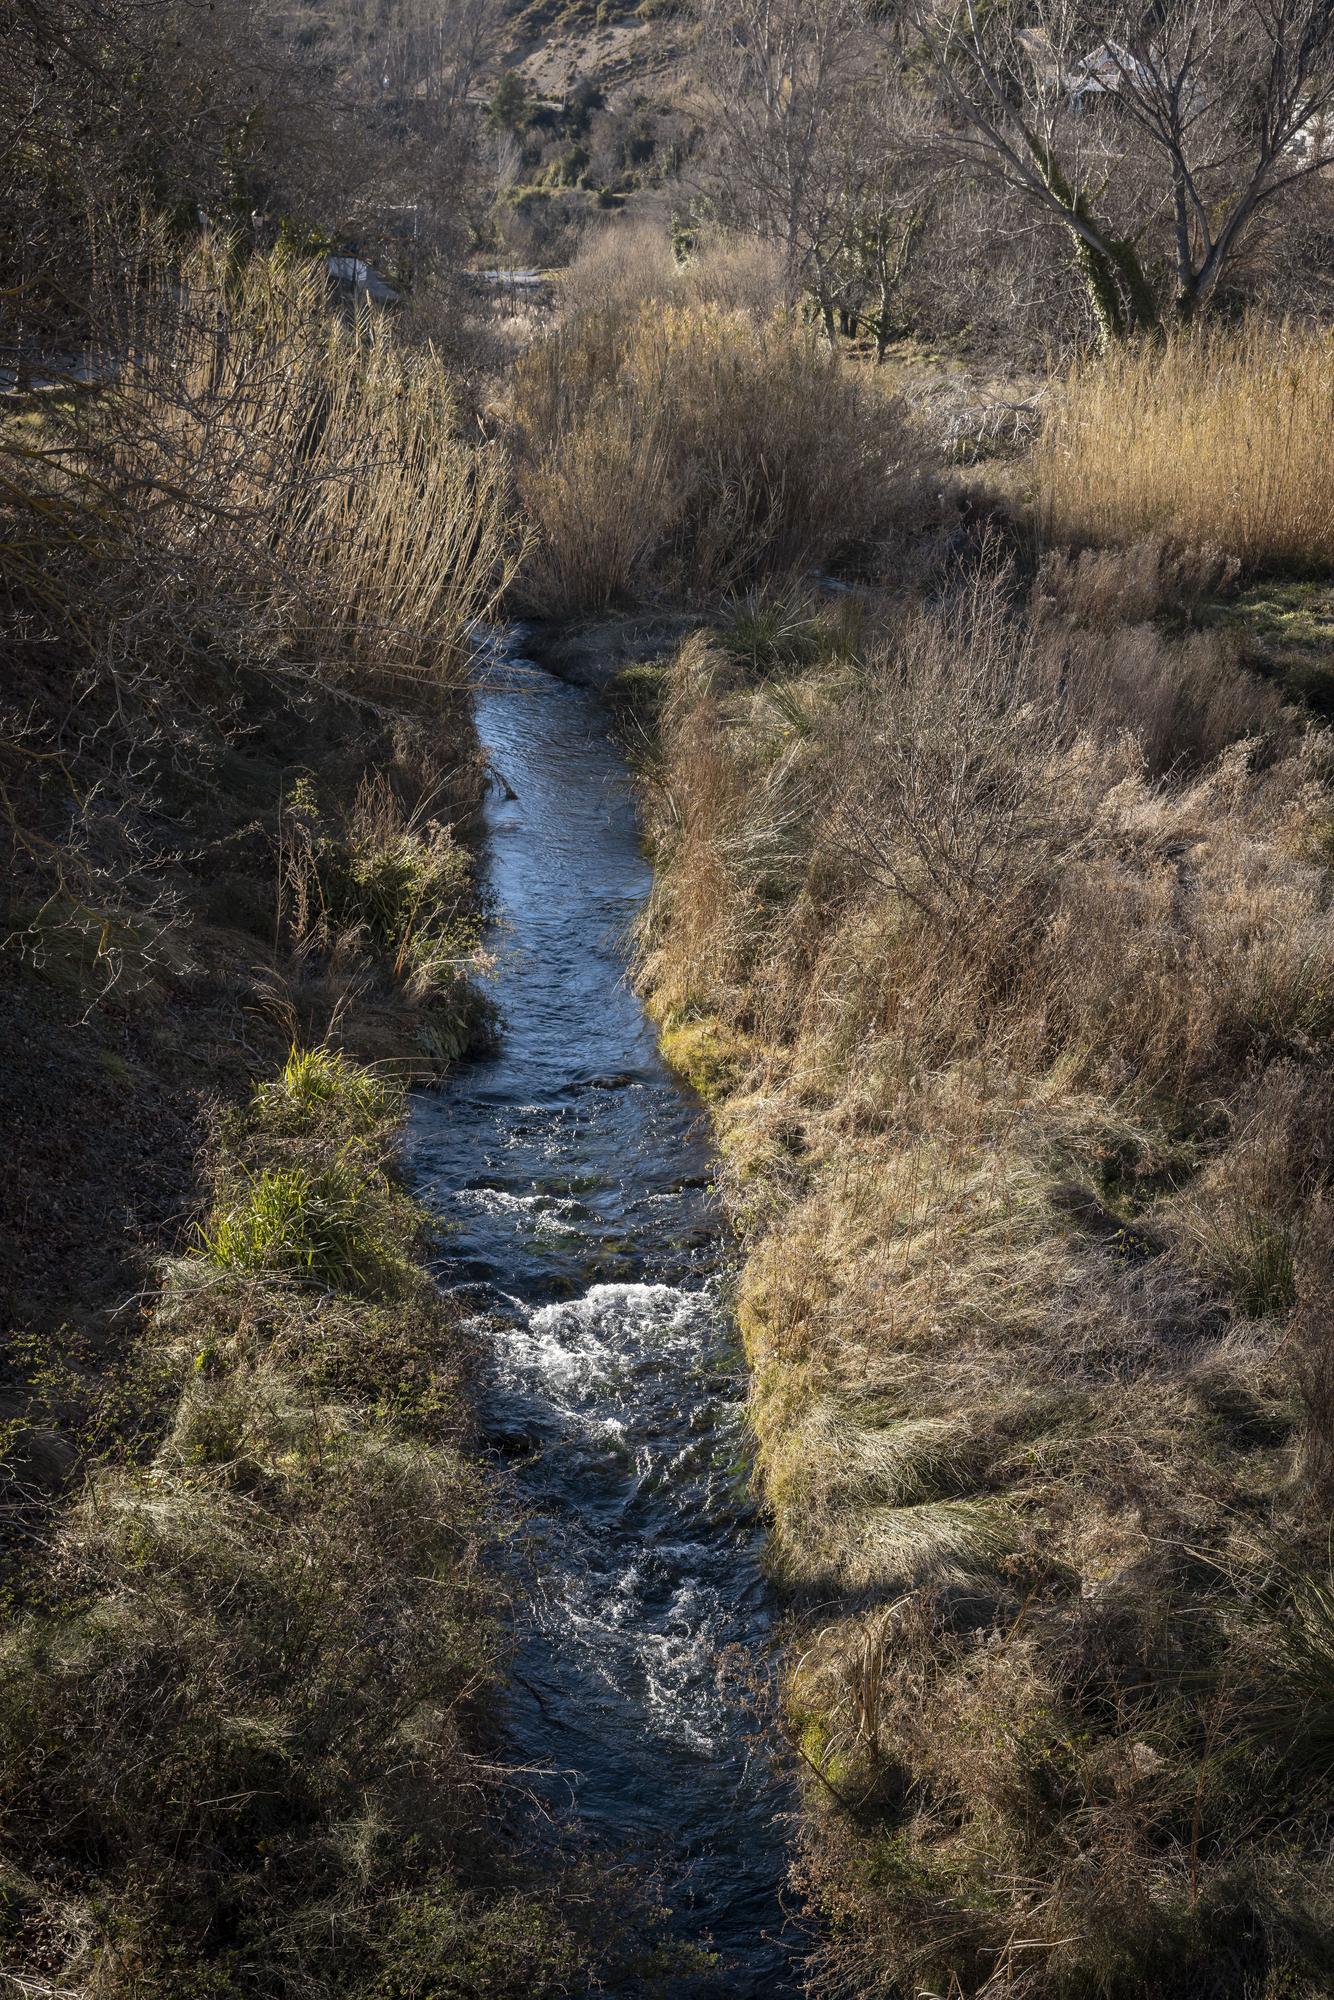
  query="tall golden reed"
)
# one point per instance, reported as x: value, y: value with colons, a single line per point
x: 300, y: 483
x: 1218, y: 437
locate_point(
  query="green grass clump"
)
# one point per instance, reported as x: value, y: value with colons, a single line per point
x: 322, y: 1085
x: 709, y: 1055
x: 637, y: 694
x: 404, y: 890
x: 1287, y: 628
x: 1299, y: 1711
x: 395, y: 888
x: 1259, y: 1263
x: 338, y: 1225
x: 771, y: 634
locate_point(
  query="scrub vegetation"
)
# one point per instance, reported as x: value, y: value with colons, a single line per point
x: 254, y: 1621
x: 240, y: 1743
x: 952, y: 388
x: 995, y: 925
x: 686, y: 450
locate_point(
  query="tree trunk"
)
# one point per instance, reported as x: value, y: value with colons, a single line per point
x: 1119, y: 293
x: 882, y: 319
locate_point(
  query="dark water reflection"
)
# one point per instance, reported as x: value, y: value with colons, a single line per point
x: 572, y: 1174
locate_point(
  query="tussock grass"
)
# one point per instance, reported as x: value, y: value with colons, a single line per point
x: 1023, y: 918
x: 332, y: 1226
x: 384, y: 891
x: 1214, y: 438
x: 769, y: 634
x: 322, y: 1086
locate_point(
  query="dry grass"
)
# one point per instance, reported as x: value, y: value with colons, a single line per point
x: 260, y: 507
x: 628, y: 265
x: 687, y: 448
x: 1017, y: 924
x: 240, y: 1740
x: 375, y: 903
x: 1214, y: 438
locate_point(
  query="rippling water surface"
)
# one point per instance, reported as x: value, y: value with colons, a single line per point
x: 571, y: 1173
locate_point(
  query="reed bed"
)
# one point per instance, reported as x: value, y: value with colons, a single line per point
x: 256, y: 467
x: 1217, y: 437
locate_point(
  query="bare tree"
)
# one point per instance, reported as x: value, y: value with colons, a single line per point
x: 1156, y: 136
x: 778, y: 72
x: 881, y: 174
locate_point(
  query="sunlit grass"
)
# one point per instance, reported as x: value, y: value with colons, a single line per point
x: 1215, y: 438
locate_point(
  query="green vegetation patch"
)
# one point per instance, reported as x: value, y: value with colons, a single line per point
x: 339, y: 1225
x: 712, y: 1057
x: 1288, y: 630
x: 322, y: 1086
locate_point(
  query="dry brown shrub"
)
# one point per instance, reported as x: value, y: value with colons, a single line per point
x: 1130, y: 586
x: 256, y: 471
x: 619, y: 268
x: 689, y: 449
x: 630, y: 264
x: 735, y: 272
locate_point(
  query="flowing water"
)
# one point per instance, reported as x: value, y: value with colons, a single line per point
x: 571, y: 1173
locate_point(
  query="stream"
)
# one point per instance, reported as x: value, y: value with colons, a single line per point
x: 571, y: 1174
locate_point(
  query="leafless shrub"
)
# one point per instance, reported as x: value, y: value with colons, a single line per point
x: 967, y: 800
x: 619, y: 268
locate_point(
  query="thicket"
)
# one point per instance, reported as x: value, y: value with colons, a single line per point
x: 255, y: 510
x: 997, y: 927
